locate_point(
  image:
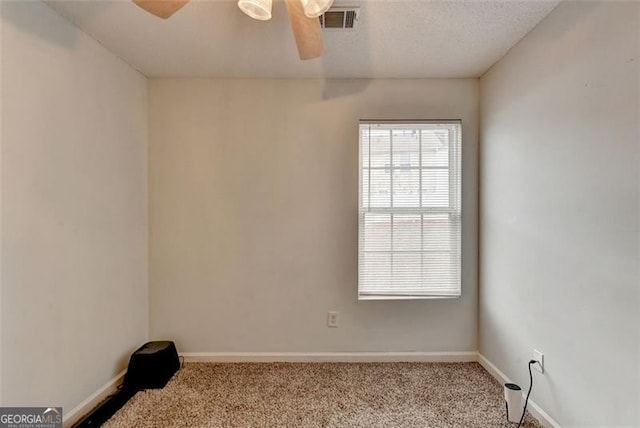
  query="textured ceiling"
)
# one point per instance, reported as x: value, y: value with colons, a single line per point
x: 394, y: 38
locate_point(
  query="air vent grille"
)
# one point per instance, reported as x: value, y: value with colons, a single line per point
x: 349, y: 19
x: 340, y: 19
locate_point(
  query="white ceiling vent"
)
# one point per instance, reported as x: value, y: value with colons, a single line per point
x: 340, y: 18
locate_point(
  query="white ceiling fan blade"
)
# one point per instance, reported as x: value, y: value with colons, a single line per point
x: 307, y: 31
x: 161, y: 8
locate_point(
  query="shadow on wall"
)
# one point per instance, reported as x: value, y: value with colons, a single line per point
x: 574, y: 13
x: 341, y: 88
x: 21, y: 14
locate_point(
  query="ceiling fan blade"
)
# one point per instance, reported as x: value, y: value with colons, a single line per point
x: 307, y: 31
x: 161, y: 8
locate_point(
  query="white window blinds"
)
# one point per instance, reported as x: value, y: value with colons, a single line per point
x: 410, y: 214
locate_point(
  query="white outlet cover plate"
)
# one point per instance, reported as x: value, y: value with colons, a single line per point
x: 538, y: 356
x: 332, y: 319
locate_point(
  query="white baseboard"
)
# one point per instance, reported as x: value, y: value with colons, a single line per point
x: 73, y: 416
x: 330, y: 357
x: 535, y: 410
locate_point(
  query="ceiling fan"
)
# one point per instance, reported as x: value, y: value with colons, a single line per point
x: 303, y: 15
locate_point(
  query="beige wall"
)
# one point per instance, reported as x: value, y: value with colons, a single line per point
x: 253, y: 215
x: 74, y: 210
x: 560, y: 216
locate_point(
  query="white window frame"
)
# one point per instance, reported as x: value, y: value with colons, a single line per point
x: 454, y: 209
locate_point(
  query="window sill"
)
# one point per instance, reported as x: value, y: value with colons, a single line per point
x: 380, y: 297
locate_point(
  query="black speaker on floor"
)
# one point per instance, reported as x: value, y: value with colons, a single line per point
x: 150, y: 367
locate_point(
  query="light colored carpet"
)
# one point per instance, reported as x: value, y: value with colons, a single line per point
x: 321, y: 395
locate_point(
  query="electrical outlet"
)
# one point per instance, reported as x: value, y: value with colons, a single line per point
x: 332, y: 319
x: 539, y: 357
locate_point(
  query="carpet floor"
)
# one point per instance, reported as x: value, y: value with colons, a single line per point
x: 321, y: 395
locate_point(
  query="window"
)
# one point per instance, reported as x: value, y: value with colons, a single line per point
x: 410, y: 214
